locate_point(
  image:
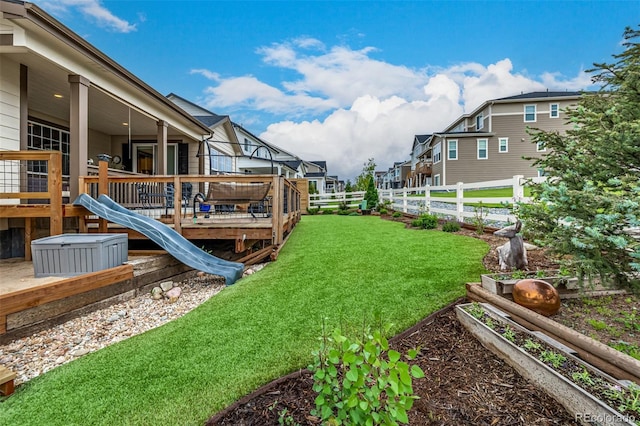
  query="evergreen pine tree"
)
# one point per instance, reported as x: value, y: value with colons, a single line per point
x: 586, y: 210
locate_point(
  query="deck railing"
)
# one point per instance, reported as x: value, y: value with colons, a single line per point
x: 31, y: 187
x: 164, y: 198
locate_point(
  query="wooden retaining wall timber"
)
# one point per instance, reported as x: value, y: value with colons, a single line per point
x: 617, y: 364
x: 28, y: 311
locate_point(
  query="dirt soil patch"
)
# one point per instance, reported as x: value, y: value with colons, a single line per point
x: 464, y: 384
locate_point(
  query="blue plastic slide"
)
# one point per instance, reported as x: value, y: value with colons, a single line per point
x: 170, y: 240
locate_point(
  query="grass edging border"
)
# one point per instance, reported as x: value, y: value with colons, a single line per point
x: 215, y: 419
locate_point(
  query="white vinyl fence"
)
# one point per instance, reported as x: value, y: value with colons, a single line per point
x: 429, y: 199
x: 333, y: 200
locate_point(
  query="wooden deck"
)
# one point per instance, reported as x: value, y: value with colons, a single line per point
x: 249, y: 227
x: 257, y: 228
x: 29, y: 304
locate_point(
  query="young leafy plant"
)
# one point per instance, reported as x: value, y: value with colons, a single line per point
x: 362, y: 381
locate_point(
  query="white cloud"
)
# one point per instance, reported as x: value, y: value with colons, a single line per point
x: 382, y: 129
x: 366, y: 107
x: 93, y: 9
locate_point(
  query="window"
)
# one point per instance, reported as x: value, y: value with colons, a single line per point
x: 479, y: 121
x: 554, y: 110
x: 541, y: 173
x: 220, y: 162
x: 436, y: 180
x: 503, y: 145
x: 483, y: 153
x: 247, y: 145
x: 540, y: 147
x: 42, y: 137
x: 529, y: 113
x: 453, y: 150
x: 145, y: 158
x: 437, y: 153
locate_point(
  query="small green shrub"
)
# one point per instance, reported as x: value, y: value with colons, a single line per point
x: 396, y: 214
x: 553, y: 358
x: 425, y: 221
x: 361, y: 381
x: 384, y: 211
x: 354, y: 214
x: 598, y: 325
x: 313, y: 210
x: 343, y: 212
x: 327, y: 211
x: 451, y: 226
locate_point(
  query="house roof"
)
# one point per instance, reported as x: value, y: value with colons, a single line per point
x: 72, y: 46
x: 292, y: 164
x: 422, y: 138
x: 322, y: 164
x: 535, y: 95
x: 211, y: 120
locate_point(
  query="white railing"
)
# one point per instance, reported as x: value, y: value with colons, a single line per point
x: 429, y: 199
x: 333, y: 200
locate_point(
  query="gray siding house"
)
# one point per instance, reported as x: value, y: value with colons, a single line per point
x: 490, y: 142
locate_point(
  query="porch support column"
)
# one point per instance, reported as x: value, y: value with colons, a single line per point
x: 24, y: 108
x: 79, y: 132
x: 162, y: 147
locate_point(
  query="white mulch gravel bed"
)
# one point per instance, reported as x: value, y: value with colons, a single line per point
x: 36, y: 354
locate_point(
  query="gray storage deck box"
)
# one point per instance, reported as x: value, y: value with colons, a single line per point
x: 67, y: 255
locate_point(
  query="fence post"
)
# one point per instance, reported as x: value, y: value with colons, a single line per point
x: 518, y: 188
x: 459, y: 202
x: 404, y: 201
x: 427, y: 198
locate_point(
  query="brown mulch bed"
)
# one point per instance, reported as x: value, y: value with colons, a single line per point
x: 464, y: 384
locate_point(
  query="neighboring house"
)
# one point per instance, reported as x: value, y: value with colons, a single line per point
x: 222, y: 148
x: 490, y: 143
x: 420, y: 173
x: 332, y: 184
x: 316, y: 174
x: 261, y: 157
x: 379, y: 177
x: 59, y: 92
x: 395, y: 177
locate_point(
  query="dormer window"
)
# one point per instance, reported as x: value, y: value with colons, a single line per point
x: 479, y: 121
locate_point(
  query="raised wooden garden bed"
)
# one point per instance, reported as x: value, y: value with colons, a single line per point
x: 505, y: 338
x: 568, y: 287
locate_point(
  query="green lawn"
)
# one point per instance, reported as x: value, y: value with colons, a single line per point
x: 482, y: 193
x: 344, y: 268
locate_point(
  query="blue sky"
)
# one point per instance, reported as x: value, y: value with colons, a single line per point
x: 347, y: 81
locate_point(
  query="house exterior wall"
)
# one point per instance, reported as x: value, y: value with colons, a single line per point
x: 10, y: 102
x: 501, y: 120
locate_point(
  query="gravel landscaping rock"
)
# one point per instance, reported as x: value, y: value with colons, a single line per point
x: 36, y: 354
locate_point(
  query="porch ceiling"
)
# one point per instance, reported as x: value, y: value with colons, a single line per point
x: 106, y: 114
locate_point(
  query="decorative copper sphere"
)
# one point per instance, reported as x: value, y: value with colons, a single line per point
x: 537, y: 295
